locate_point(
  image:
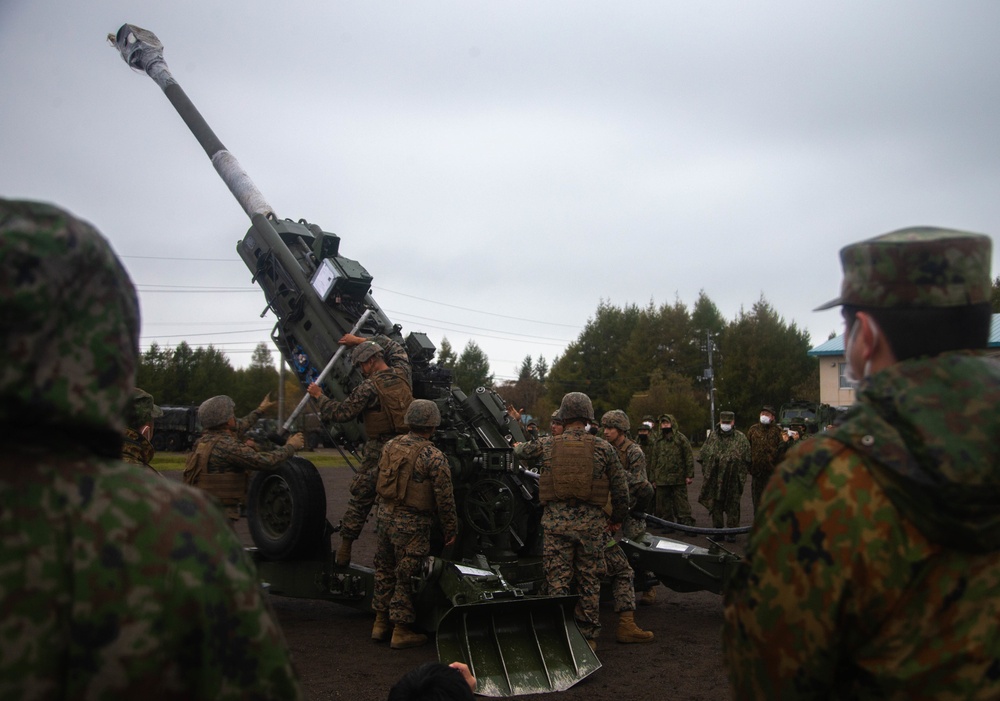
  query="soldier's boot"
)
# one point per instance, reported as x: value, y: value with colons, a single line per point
x: 629, y: 632
x: 343, y: 556
x: 648, y: 597
x: 382, y: 628
x: 403, y: 637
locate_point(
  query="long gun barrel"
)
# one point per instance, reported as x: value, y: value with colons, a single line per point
x: 316, y: 294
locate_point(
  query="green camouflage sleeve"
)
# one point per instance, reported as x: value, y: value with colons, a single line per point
x: 395, y: 356
x: 360, y: 398
x: 247, y: 422
x: 688, y: 454
x: 444, y: 495
x: 609, y: 464
x: 234, y: 455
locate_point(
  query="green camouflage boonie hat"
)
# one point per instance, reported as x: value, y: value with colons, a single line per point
x: 143, y: 410
x: 726, y: 416
x: 616, y: 418
x: 216, y: 411
x: 916, y: 267
x: 364, y: 351
x: 575, y: 405
x: 69, y: 318
x: 423, y: 413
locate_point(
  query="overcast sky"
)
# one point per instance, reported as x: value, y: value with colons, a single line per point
x: 501, y: 167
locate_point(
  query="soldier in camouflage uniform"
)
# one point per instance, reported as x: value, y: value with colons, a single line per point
x: 380, y: 400
x: 414, y: 484
x: 116, y: 583
x: 221, y: 459
x: 767, y: 447
x: 725, y: 460
x: 577, y: 473
x: 873, y: 570
x: 617, y: 568
x: 139, y: 416
x: 671, y: 470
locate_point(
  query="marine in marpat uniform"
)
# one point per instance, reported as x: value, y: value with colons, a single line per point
x: 873, y: 571
x: 139, y: 416
x: 767, y: 447
x: 617, y: 568
x: 725, y: 460
x: 380, y: 400
x: 577, y: 472
x: 671, y: 470
x: 221, y: 461
x: 413, y: 485
x: 116, y: 583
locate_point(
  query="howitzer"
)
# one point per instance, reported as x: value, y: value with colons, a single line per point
x: 481, y: 595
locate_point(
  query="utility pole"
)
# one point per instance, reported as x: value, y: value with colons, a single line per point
x: 710, y: 376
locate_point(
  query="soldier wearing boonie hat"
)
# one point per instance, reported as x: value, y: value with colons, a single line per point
x: 380, y: 401
x: 886, y: 528
x: 140, y: 414
x: 115, y: 581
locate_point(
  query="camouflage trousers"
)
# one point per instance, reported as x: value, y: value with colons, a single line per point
x: 726, y: 510
x: 403, y: 540
x: 572, y: 552
x: 672, y: 503
x: 757, y: 484
x: 622, y: 578
x: 362, y: 491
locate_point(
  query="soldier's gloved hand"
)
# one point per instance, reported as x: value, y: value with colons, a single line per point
x: 266, y: 403
x: 298, y: 441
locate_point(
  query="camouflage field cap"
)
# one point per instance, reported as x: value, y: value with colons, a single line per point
x: 423, y: 413
x: 216, y: 411
x: 143, y: 409
x: 916, y: 267
x: 69, y: 318
x: 364, y: 351
x: 616, y: 418
x: 769, y: 409
x: 576, y: 405
x: 725, y: 416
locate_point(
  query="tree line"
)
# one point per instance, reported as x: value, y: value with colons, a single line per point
x: 645, y: 360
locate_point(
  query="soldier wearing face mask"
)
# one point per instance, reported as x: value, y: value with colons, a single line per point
x: 671, y: 470
x: 767, y: 446
x: 725, y: 461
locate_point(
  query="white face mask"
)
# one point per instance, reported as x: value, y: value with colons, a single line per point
x: 726, y: 427
x: 765, y: 419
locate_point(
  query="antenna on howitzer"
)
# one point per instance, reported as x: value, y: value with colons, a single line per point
x: 142, y: 51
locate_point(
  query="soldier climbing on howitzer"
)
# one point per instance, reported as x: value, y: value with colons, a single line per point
x: 136, y: 447
x: 413, y: 484
x: 381, y: 400
x: 221, y: 459
x: 577, y: 474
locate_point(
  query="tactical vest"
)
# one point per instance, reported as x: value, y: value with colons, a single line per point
x: 623, y: 456
x: 228, y: 487
x: 571, y: 473
x: 396, y: 485
x: 394, y: 397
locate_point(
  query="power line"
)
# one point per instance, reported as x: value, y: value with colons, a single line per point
x: 477, y: 311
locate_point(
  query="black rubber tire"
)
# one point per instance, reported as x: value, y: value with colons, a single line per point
x: 286, y: 511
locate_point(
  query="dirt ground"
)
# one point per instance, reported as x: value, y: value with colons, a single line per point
x: 337, y: 659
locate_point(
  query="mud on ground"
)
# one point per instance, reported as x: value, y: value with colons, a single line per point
x: 336, y: 658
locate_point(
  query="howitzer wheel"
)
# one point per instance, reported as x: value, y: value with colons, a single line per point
x: 489, y: 507
x: 286, y: 510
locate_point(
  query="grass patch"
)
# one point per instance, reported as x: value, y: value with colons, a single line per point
x: 168, y: 462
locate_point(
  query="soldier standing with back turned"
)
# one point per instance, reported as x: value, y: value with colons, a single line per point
x: 381, y: 400
x: 873, y: 571
x: 577, y: 473
x: 137, y: 447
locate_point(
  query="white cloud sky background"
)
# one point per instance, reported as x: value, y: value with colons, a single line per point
x: 520, y: 160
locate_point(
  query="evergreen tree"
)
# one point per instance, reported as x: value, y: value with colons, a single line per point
x: 446, y: 357
x: 256, y: 380
x: 472, y: 369
x: 541, y: 368
x: 675, y: 394
x: 995, y: 296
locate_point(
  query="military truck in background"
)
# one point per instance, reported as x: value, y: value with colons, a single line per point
x: 177, y: 430
x: 813, y: 415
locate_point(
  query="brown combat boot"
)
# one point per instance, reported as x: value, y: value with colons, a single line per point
x: 382, y: 628
x: 629, y: 632
x: 343, y: 556
x: 648, y: 597
x: 403, y: 637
